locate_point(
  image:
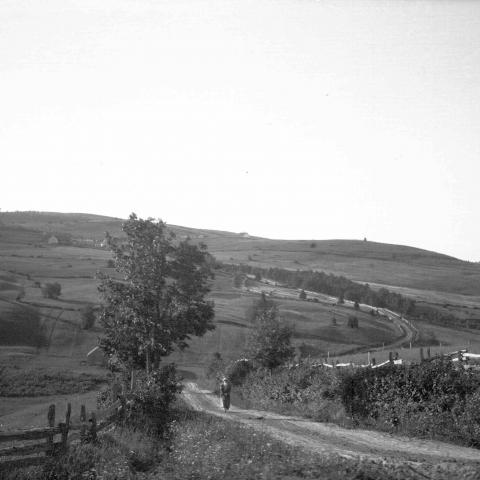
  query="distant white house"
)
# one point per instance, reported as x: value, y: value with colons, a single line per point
x: 53, y: 240
x: 244, y: 234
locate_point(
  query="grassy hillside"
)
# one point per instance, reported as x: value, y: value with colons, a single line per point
x: 59, y: 347
x: 376, y: 263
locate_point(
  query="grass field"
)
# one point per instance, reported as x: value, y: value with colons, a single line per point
x: 27, y: 262
x: 371, y: 262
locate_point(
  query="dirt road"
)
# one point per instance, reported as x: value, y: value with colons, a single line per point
x: 329, y: 439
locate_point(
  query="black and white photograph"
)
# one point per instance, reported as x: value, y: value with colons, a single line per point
x: 239, y: 239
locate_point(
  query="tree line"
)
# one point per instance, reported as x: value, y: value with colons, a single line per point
x: 344, y: 288
x: 329, y: 284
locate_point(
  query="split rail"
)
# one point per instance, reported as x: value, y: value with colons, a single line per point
x: 36, y: 445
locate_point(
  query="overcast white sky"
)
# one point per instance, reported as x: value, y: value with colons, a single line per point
x: 283, y: 118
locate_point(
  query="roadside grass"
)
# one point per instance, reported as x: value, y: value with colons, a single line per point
x: 202, y: 447
x: 35, y: 382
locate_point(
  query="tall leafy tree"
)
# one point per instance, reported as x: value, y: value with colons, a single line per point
x: 156, y: 301
x: 270, y: 341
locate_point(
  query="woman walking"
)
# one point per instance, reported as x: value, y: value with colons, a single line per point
x: 225, y: 389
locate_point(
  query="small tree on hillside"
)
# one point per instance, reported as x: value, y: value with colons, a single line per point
x: 270, y: 341
x: 160, y: 300
x: 356, y: 306
x: 341, y: 299
x: 303, y: 295
x: 52, y: 290
x: 258, y: 307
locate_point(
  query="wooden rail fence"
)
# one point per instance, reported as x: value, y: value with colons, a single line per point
x: 36, y: 445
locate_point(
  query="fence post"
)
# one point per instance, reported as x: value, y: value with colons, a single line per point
x: 51, y: 424
x: 65, y: 427
x: 428, y: 352
x: 390, y: 358
x: 83, y: 426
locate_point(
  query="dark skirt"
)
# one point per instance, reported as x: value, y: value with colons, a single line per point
x: 226, y: 401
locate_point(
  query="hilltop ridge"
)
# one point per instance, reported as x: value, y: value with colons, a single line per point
x: 359, y: 260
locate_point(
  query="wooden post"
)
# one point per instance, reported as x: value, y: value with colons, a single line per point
x: 51, y: 424
x: 390, y: 358
x: 93, y: 428
x: 83, y: 426
x: 65, y: 427
x: 428, y: 352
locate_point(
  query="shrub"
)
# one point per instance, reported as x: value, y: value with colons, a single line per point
x: 429, y: 399
x: 303, y: 295
x: 110, y: 263
x: 52, y: 290
x: 305, y: 390
x: 151, y: 400
x: 238, y: 371
x: 469, y: 419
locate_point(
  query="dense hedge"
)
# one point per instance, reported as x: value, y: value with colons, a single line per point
x: 434, y: 399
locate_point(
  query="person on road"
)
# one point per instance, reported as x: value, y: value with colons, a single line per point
x: 225, y: 389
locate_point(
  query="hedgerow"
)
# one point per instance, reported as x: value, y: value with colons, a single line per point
x: 436, y: 399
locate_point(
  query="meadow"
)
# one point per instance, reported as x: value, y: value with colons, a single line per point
x: 27, y: 262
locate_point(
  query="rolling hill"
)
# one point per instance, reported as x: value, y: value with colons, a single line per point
x: 28, y: 261
x: 363, y: 261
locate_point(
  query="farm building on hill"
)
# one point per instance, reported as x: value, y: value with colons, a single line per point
x: 53, y: 240
x: 96, y: 356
